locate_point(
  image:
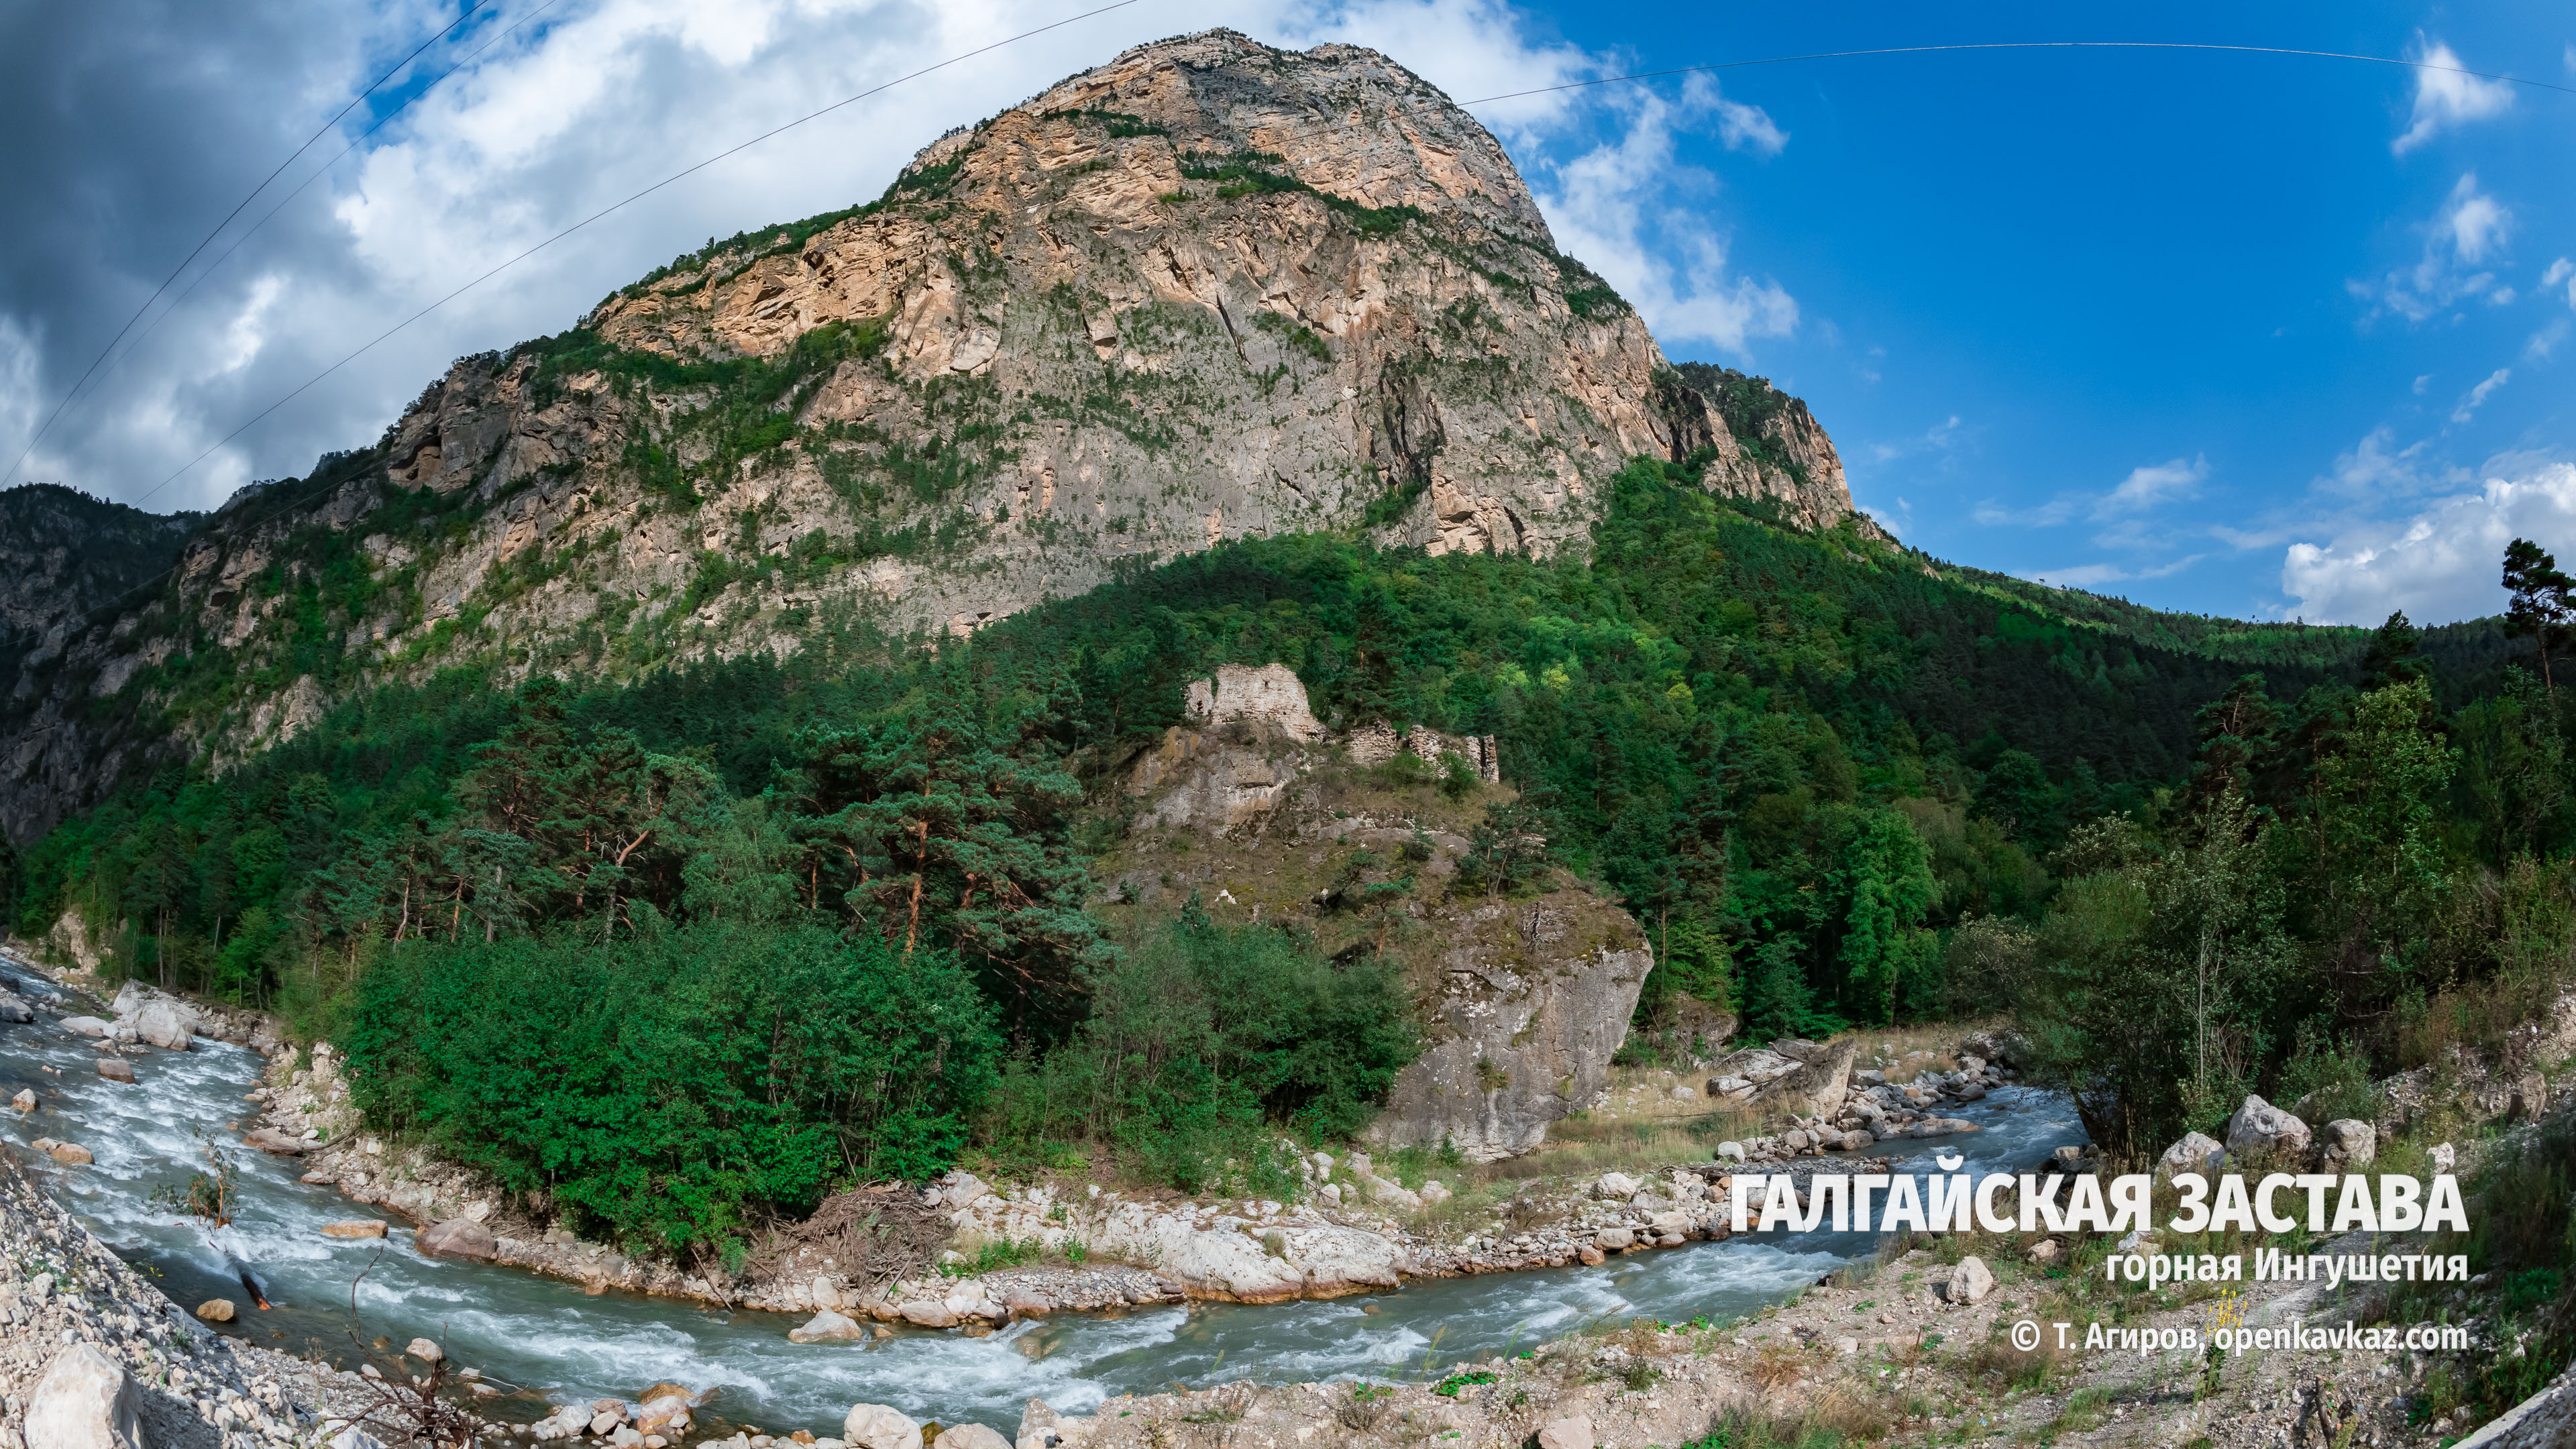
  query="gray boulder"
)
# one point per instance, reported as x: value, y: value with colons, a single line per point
x: 2194, y: 1153
x: 2346, y: 1143
x: 85, y: 1026
x: 2260, y: 1129
x: 84, y: 1401
x: 165, y: 1024
x: 14, y: 1010
x: 458, y: 1238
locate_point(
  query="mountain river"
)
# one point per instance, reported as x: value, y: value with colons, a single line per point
x: 546, y: 1337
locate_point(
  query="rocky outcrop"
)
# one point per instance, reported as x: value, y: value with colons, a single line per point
x: 1523, y: 999
x: 1536, y: 998
x: 1211, y: 290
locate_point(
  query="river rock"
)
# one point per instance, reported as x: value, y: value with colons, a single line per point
x: 926, y: 1313
x: 85, y: 1026
x: 269, y: 1139
x: 116, y: 1069
x: 424, y: 1350
x: 13, y: 1010
x: 1970, y: 1282
x: 2260, y: 1129
x: 1730, y: 1152
x: 2193, y: 1154
x: 969, y: 1436
x: 165, y: 1024
x: 874, y: 1426
x: 216, y: 1310
x: 84, y: 1401
x: 69, y: 1154
x: 1574, y: 1432
x: 457, y: 1238
x: 25, y: 1101
x: 354, y: 1228
x: 828, y: 1326
x: 1612, y: 1240
x: 1615, y: 1187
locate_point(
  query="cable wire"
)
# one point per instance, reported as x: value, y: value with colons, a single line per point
x: 2023, y: 45
x: 29, y: 450
x: 247, y: 233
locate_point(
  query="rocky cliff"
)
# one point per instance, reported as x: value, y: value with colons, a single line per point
x: 1209, y: 290
x: 1379, y: 843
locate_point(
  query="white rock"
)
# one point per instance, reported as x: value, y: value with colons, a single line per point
x: 424, y: 1350
x: 2348, y: 1142
x: 1330, y: 1194
x: 2190, y: 1155
x: 1568, y: 1433
x: 1615, y: 1187
x: 2444, y: 1157
x: 875, y: 1426
x: 826, y: 1293
x: 1731, y: 1151
x: 2259, y: 1128
x: 969, y: 1436
x: 354, y: 1437
x: 828, y: 1326
x: 166, y: 1024
x: 1970, y: 1282
x: 85, y: 1026
x: 84, y: 1401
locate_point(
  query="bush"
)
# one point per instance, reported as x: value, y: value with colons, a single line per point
x: 676, y: 1085
x: 1203, y: 1040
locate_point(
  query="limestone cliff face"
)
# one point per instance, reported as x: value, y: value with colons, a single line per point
x: 1254, y: 810
x: 1209, y: 290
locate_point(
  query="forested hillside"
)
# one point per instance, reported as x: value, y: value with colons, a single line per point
x: 1835, y: 781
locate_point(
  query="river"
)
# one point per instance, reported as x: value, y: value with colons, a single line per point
x: 551, y: 1340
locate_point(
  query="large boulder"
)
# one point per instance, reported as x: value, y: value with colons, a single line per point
x: 84, y: 1401
x: 1535, y: 999
x: 85, y: 1026
x: 2260, y: 1129
x: 166, y: 1024
x: 1817, y: 1088
x: 14, y: 1010
x: 969, y: 1436
x: 269, y: 1139
x: 116, y: 1069
x: 1574, y: 1432
x: 875, y: 1426
x: 458, y: 1238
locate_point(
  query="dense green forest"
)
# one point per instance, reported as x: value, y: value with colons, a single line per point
x: 1840, y: 784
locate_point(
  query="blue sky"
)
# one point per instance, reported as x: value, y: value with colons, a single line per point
x: 2248, y: 334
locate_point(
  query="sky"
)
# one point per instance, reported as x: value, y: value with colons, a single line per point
x: 2253, y: 334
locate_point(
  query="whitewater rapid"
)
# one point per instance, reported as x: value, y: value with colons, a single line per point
x: 553, y: 1343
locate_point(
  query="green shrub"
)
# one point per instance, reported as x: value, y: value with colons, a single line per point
x: 1202, y: 1043
x: 673, y: 1085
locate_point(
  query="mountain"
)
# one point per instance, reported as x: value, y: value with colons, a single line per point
x: 1211, y: 290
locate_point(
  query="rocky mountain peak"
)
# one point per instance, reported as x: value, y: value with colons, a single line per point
x: 1208, y: 291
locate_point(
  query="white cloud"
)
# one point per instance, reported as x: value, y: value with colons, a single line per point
x: 2447, y: 97
x: 2470, y: 227
x: 2545, y: 341
x: 2478, y: 395
x: 2561, y: 270
x: 2372, y: 470
x: 2442, y: 563
x: 2147, y: 486
x: 594, y: 102
x: 1748, y: 128
x: 1610, y: 207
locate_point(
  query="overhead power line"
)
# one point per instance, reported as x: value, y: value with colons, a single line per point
x: 2021, y: 45
x: 324, y: 170
x: 193, y: 253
